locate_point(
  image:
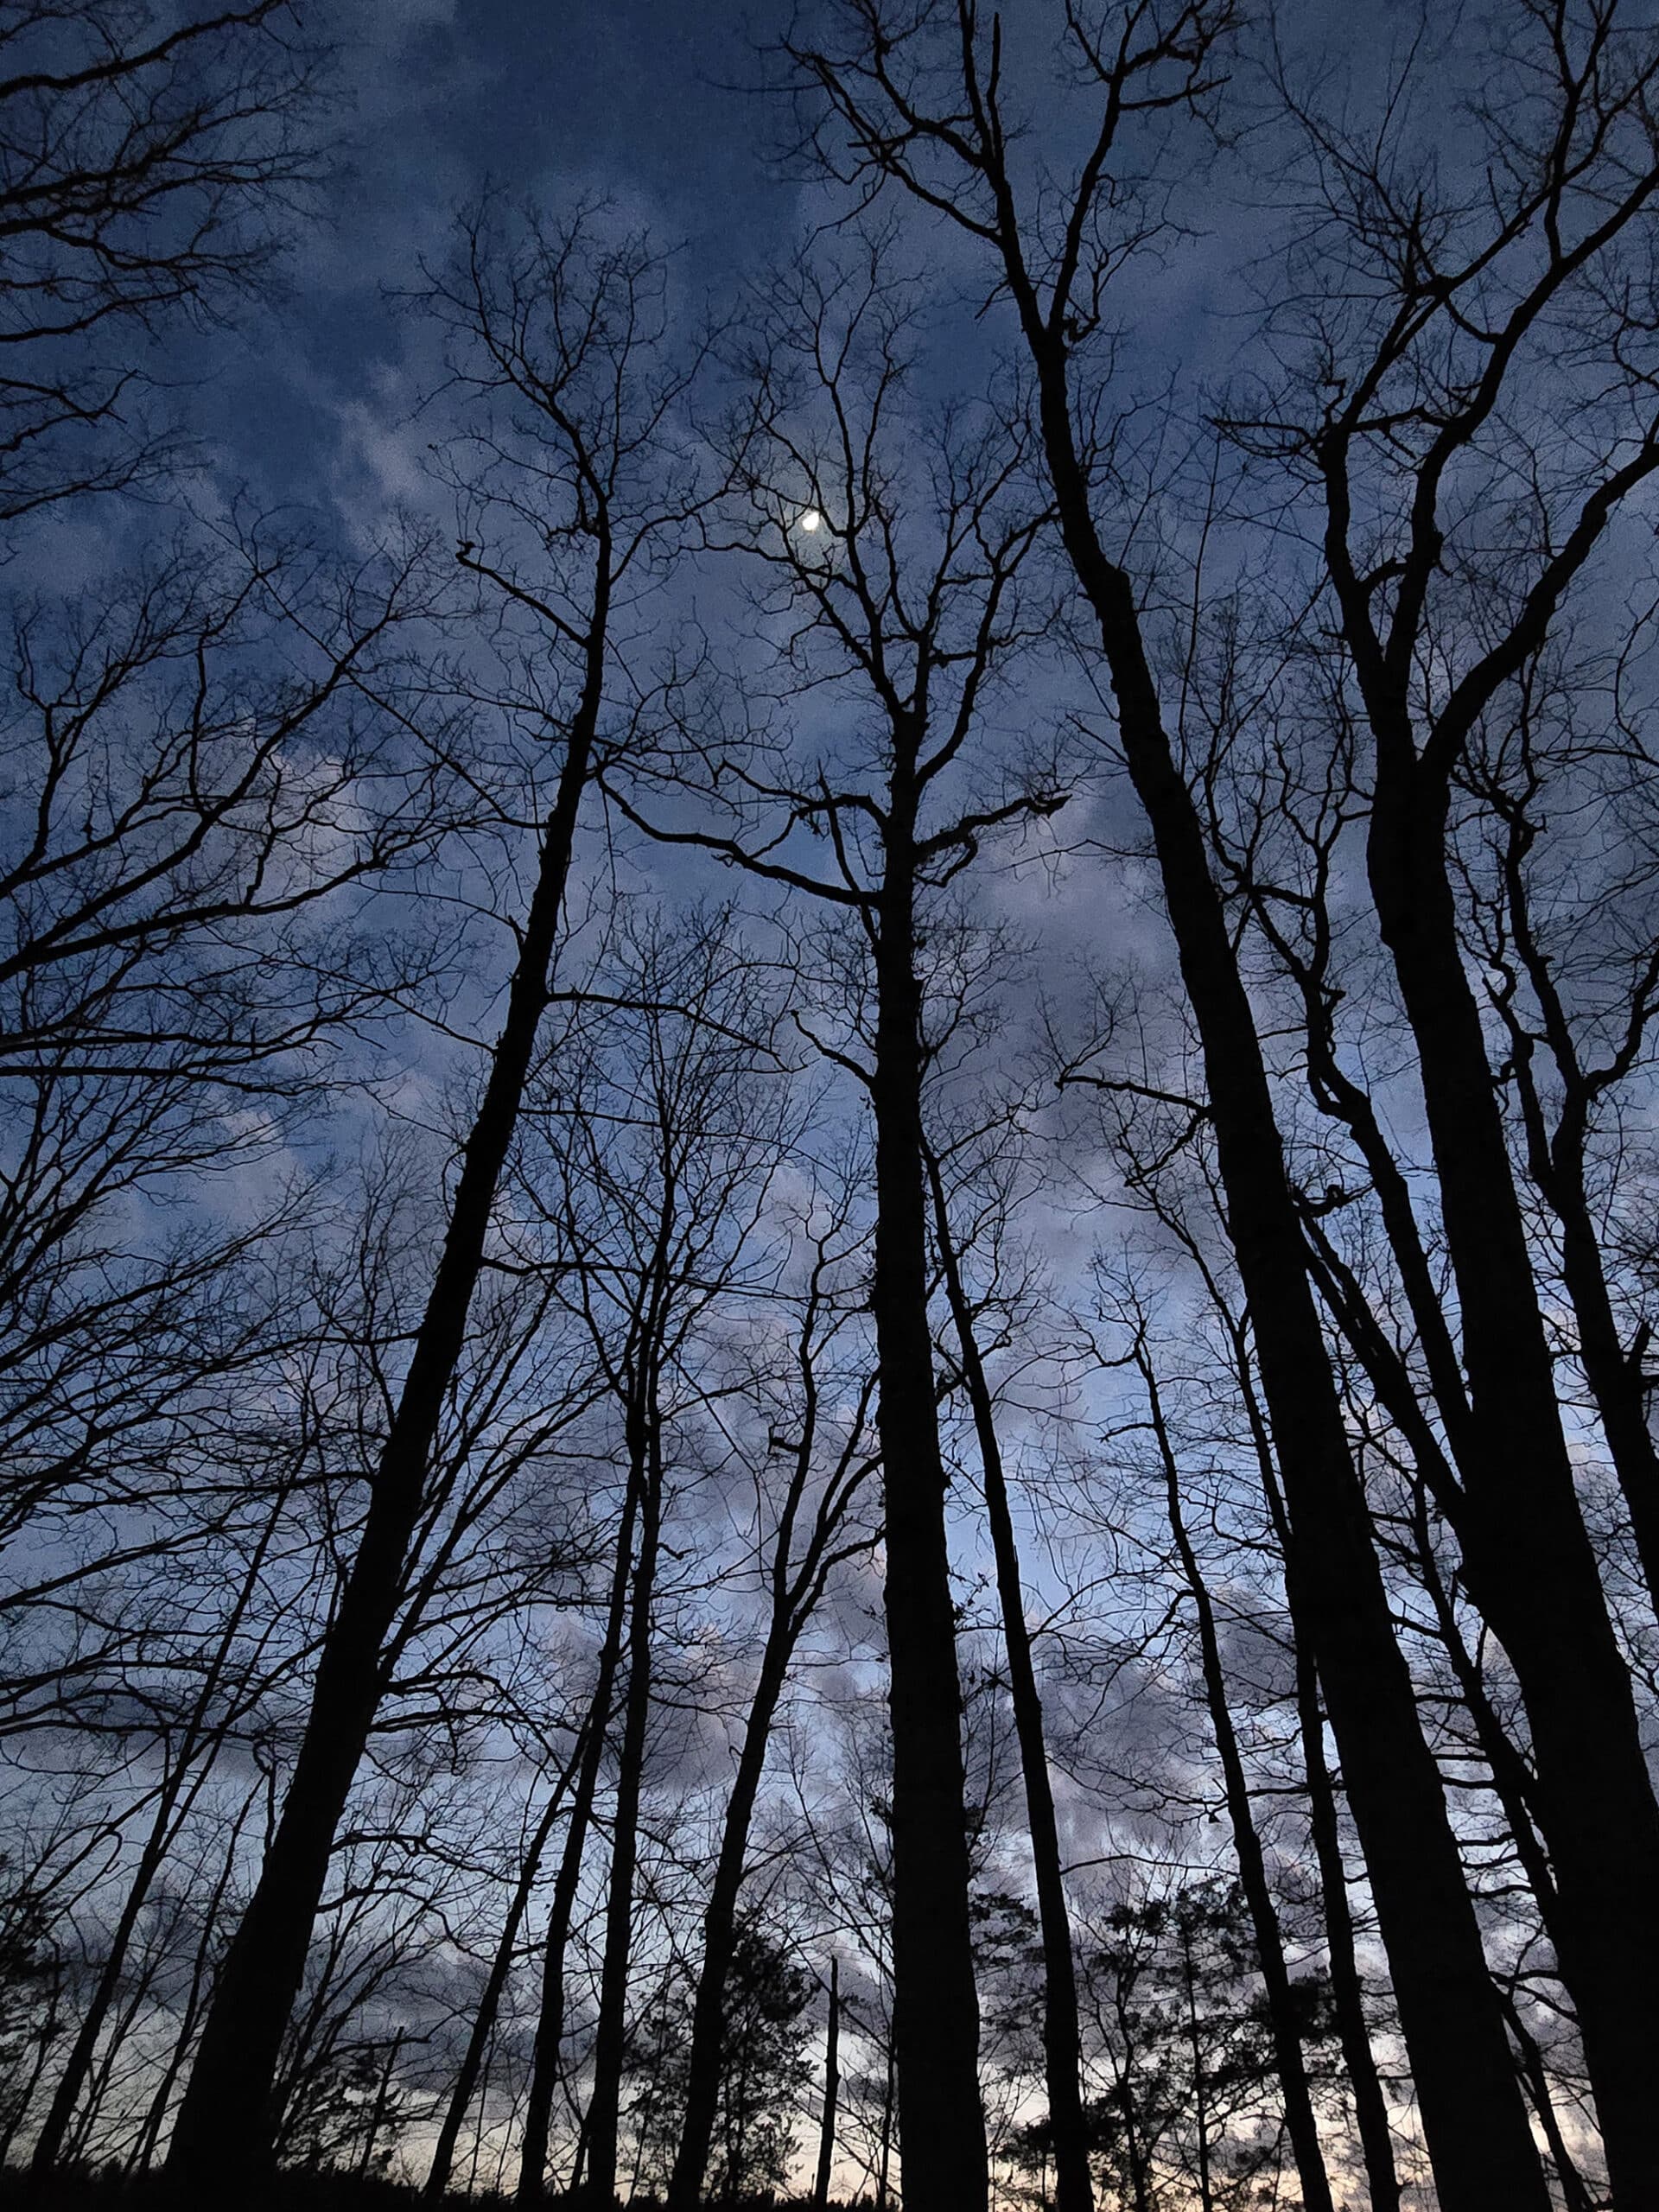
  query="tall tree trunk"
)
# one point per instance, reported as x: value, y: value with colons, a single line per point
x: 1474, y: 2115
x: 155, y: 2116
x: 1614, y: 1374
x: 549, y: 2023
x: 831, y: 2091
x: 935, y: 2004
x: 1062, y: 2044
x: 549, y: 2028
x: 610, y: 2036
x: 1389, y: 1378
x: 472, y: 2065
x: 1528, y: 1561
x: 1135, y: 2146
x: 1299, y: 2121
x: 171, y: 1799
x: 889, y: 2111
x: 1574, y: 2195
x: 796, y: 1587
x: 1557, y: 1162
x: 719, y: 1938
x: 1200, y: 2077
x: 380, y: 2111
x: 1347, y: 1993
x: 225, y: 2121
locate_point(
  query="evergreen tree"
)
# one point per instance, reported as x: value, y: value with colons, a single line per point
x: 763, y: 2068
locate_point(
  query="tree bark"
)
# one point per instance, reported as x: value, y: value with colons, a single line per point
x: 1300, y: 2124
x: 1474, y: 2116
x: 1528, y: 1561
x: 831, y: 2091
x: 224, y: 2123
x: 49, y: 2143
x: 935, y: 2004
x: 1061, y: 2046
x: 472, y: 2065
x: 604, y: 2104
x: 550, y: 2024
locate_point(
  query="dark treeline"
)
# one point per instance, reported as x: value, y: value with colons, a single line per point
x: 826, y: 1257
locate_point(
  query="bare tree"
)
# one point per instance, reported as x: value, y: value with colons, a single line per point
x: 149, y: 162
x: 835, y: 1464
x: 202, y: 1733
x: 916, y: 99
x: 831, y: 2091
x: 823, y: 510
x: 1061, y: 2043
x: 662, y: 1137
x: 570, y: 333
x: 1463, y: 288
x: 1282, y: 2014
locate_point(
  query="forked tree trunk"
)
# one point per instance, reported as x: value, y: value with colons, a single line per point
x: 1061, y: 2046
x: 224, y: 2123
x: 1528, y: 1561
x: 1475, y: 2118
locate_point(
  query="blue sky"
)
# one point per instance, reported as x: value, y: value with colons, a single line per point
x: 555, y: 98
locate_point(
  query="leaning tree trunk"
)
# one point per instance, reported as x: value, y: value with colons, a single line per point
x: 1300, y: 2124
x: 225, y: 2121
x: 1347, y: 1993
x: 550, y: 2025
x: 1475, y: 2120
x: 1062, y: 2044
x: 605, y: 2099
x: 1575, y: 2198
x: 935, y: 2005
x: 1528, y: 1561
x: 172, y: 1799
x: 472, y: 2065
x: 701, y: 2092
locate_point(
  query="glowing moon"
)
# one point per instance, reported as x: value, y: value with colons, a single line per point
x: 811, y: 522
